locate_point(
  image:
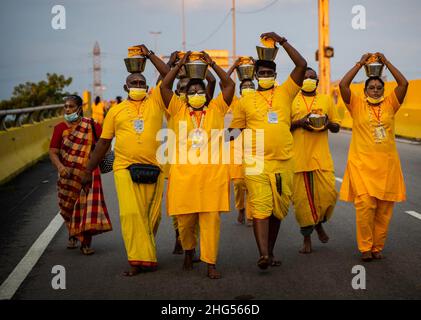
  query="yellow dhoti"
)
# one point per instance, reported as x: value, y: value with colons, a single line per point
x: 209, y: 233
x: 314, y: 198
x: 372, y: 220
x: 140, y: 214
x: 270, y: 192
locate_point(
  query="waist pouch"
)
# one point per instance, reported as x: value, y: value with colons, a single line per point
x: 144, y: 173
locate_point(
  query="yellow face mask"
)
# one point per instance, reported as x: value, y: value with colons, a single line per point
x: 247, y: 91
x: 197, y: 101
x: 137, y: 94
x: 371, y: 100
x: 266, y: 83
x: 309, y: 85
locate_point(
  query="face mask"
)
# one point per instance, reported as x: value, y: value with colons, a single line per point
x: 266, y: 83
x: 197, y: 101
x: 373, y: 100
x: 309, y: 85
x: 71, y: 117
x: 137, y: 94
x: 183, y: 97
x: 247, y: 91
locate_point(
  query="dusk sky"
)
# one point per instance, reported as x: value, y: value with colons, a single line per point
x: 31, y: 47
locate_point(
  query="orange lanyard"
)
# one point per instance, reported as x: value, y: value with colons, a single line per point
x: 377, y: 114
x: 311, y: 104
x: 269, y: 102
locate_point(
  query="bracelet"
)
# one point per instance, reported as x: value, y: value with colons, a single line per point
x: 213, y: 64
x: 150, y: 53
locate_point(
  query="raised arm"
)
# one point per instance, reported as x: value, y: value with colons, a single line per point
x: 160, y: 65
x: 167, y: 82
x: 299, y: 71
x: 228, y: 86
x: 402, y: 87
x: 210, y: 88
x: 349, y: 76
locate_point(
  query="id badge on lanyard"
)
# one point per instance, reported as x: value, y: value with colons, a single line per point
x: 272, y: 117
x: 138, y: 125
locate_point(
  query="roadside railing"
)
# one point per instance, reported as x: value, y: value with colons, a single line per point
x: 17, y: 117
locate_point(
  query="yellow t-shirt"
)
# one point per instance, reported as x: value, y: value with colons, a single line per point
x: 311, y: 149
x: 373, y: 168
x: 131, y: 147
x: 197, y: 187
x: 98, y: 112
x: 252, y: 113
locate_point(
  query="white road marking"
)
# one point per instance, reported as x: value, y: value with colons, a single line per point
x: 9, y: 287
x: 414, y: 214
x: 339, y: 179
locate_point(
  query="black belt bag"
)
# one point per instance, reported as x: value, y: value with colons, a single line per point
x: 144, y: 173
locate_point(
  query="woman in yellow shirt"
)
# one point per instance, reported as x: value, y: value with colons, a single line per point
x: 373, y: 177
x: 197, y: 191
x: 314, y: 195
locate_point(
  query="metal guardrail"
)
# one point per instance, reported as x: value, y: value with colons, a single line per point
x: 17, y: 117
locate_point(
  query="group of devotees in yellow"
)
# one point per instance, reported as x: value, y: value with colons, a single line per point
x: 292, y: 156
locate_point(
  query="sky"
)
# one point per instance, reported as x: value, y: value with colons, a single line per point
x: 30, y: 47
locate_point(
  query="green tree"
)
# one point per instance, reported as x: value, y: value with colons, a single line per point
x: 31, y: 94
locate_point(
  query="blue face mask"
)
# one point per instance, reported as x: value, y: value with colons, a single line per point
x: 71, y: 117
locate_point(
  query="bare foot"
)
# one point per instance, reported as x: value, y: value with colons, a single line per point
x: 188, y: 260
x: 241, y: 216
x: 378, y: 255
x: 249, y: 222
x: 195, y: 259
x: 367, y: 256
x: 212, y: 272
x: 323, y: 237
x: 273, y: 262
x: 178, y: 249
x: 263, y: 262
x: 132, y: 272
x: 306, y: 245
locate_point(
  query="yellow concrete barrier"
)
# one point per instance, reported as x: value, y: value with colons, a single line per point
x: 21, y: 147
x: 407, y: 119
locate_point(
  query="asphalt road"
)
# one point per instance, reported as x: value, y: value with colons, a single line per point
x: 28, y: 204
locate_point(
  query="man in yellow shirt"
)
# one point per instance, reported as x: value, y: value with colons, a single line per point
x: 373, y: 177
x: 198, y: 191
x: 98, y: 109
x: 137, y: 174
x: 269, y: 110
x: 314, y: 195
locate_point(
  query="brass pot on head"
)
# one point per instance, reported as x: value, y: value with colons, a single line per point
x: 374, y: 69
x: 268, y: 54
x: 135, y: 64
x: 196, y: 69
x: 245, y: 72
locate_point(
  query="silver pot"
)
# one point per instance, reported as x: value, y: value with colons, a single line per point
x: 374, y: 69
x: 317, y: 121
x: 196, y: 69
x: 135, y: 64
x: 266, y: 53
x: 245, y: 72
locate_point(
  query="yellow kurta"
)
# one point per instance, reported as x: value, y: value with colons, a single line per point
x: 140, y: 204
x: 252, y: 113
x: 197, y: 187
x: 98, y: 112
x: 373, y: 168
x: 314, y: 193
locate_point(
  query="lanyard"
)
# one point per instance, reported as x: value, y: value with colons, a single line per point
x: 269, y: 102
x: 311, y: 104
x: 377, y: 114
x: 194, y: 120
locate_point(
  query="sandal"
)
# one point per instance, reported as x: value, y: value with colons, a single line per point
x: 72, y: 244
x: 213, y: 273
x: 87, y: 251
x: 263, y: 262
